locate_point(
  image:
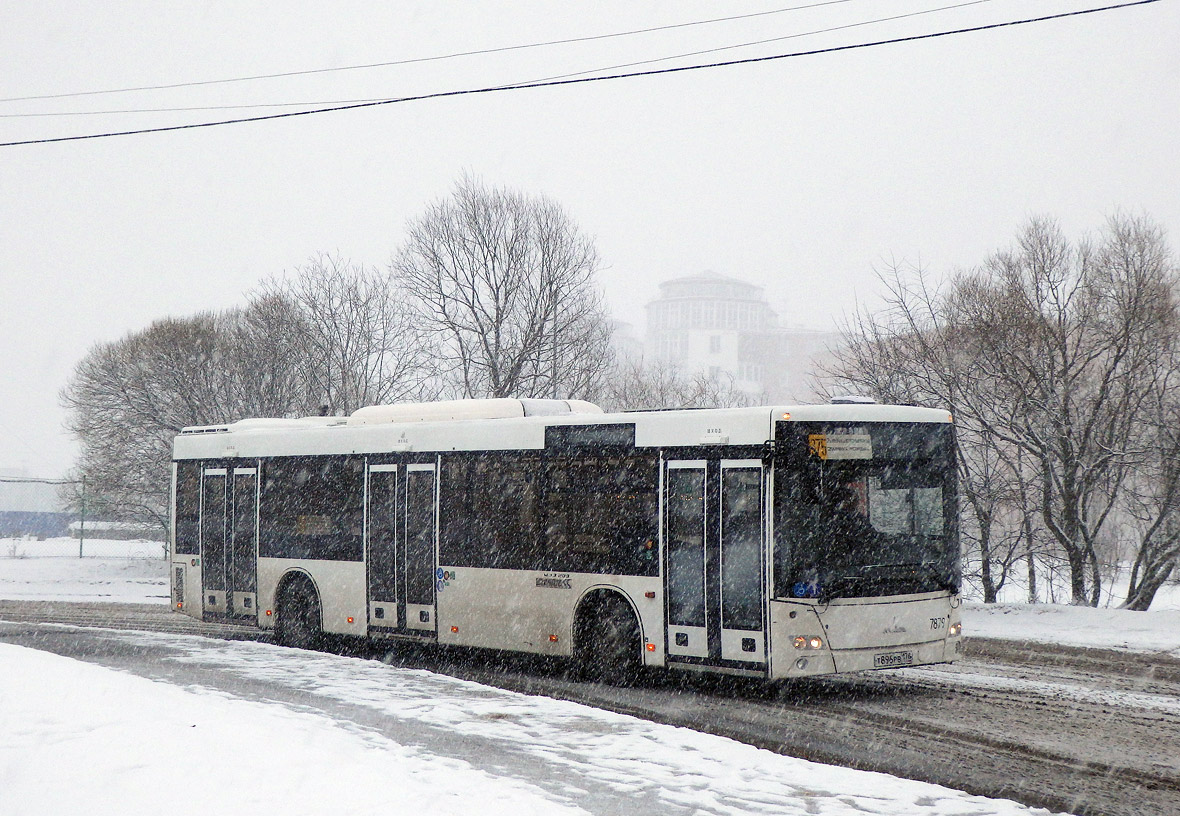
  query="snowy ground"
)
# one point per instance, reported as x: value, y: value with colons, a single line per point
x: 75, y: 737
x: 124, y: 579
x: 65, y: 547
x: 1155, y: 631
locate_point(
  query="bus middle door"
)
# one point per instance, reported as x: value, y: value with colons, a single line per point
x: 421, y: 546
x: 402, y: 538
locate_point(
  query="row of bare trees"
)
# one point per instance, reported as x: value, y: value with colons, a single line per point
x: 1059, y: 361
x: 493, y: 294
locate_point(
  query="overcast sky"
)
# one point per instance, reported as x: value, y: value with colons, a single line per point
x: 803, y: 175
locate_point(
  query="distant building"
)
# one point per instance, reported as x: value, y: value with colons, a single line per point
x: 32, y: 507
x: 723, y: 326
x: 624, y: 341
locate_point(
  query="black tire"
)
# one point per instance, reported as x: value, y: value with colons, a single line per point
x: 609, y: 650
x: 298, y: 623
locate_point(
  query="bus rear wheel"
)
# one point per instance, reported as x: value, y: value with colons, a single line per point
x: 298, y: 623
x: 608, y: 647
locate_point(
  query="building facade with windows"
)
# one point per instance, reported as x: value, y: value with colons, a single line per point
x: 724, y: 327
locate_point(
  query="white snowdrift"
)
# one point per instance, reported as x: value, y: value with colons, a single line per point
x: 76, y: 738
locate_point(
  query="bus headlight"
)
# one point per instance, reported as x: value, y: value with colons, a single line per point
x: 955, y: 630
x: 812, y: 642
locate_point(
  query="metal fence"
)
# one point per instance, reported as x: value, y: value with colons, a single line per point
x: 48, y: 518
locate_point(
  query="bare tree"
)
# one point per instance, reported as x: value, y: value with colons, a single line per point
x: 127, y: 399
x: 355, y: 341
x: 334, y: 334
x: 634, y: 384
x: 1151, y: 499
x: 505, y: 284
x: 1056, y: 351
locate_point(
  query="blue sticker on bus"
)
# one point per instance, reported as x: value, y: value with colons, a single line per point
x: 805, y: 590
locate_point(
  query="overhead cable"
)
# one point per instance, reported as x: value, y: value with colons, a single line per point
x: 580, y: 80
x: 321, y: 103
x: 413, y: 60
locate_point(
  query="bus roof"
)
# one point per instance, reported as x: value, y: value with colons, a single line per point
x: 428, y: 428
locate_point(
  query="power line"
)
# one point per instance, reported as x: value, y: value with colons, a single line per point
x: 256, y: 106
x: 581, y: 80
x: 770, y: 40
x: 391, y: 63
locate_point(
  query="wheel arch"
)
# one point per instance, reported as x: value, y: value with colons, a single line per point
x: 592, y: 599
x: 296, y: 575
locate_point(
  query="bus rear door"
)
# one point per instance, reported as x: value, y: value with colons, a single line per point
x: 229, y: 542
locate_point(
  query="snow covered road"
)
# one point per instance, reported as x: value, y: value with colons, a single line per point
x: 250, y: 724
x: 1085, y: 730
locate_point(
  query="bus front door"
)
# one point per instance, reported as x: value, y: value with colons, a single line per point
x: 402, y: 535
x: 713, y: 538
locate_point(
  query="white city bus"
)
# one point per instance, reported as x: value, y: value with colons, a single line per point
x: 772, y: 542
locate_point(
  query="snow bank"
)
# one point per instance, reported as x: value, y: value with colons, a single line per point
x: 92, y: 547
x: 77, y: 738
x: 116, y: 580
x: 1151, y: 631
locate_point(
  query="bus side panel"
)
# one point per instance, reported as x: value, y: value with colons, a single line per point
x: 341, y: 588
x: 184, y: 578
x: 525, y: 610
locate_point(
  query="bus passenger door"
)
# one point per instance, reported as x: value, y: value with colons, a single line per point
x: 685, y: 524
x: 214, y: 554
x: 242, y: 569
x: 421, y: 546
x: 743, y: 636
x: 381, y: 515
x: 713, y: 550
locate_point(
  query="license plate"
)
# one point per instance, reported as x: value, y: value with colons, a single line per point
x: 890, y: 660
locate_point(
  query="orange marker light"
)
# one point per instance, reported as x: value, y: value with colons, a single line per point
x: 180, y: 605
x: 268, y: 613
x: 350, y: 620
x: 651, y: 647
x: 649, y: 594
x: 553, y: 638
x: 454, y: 629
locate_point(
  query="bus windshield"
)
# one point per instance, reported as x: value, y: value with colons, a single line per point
x: 865, y: 511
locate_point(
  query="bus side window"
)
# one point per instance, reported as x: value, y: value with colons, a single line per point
x: 312, y: 509
x: 188, y: 505
x: 600, y: 514
x: 490, y: 508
